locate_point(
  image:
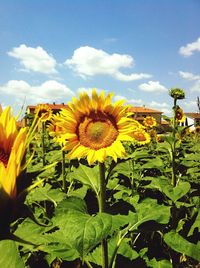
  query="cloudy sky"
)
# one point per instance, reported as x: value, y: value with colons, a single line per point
x: 52, y: 50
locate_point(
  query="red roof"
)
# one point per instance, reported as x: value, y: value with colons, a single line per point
x: 193, y: 115
x: 51, y: 106
x: 137, y: 109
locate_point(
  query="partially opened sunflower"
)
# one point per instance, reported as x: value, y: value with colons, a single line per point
x: 179, y: 115
x: 43, y: 112
x: 140, y: 136
x: 94, y: 127
x: 12, y: 150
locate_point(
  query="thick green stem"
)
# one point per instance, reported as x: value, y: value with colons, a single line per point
x: 132, y: 178
x: 102, y: 203
x: 64, y: 183
x: 43, y: 144
x: 102, y: 208
x: 174, y: 146
x: 174, y: 221
x: 88, y: 264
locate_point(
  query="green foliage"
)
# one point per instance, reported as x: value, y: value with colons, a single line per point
x: 87, y: 176
x: 9, y: 255
x: 178, y: 243
x: 148, y: 220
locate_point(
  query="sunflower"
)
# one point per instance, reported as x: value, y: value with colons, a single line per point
x: 197, y: 129
x: 149, y: 121
x: 179, y: 115
x: 140, y: 136
x: 94, y: 127
x: 12, y: 150
x: 55, y: 131
x: 53, y: 127
x: 43, y: 112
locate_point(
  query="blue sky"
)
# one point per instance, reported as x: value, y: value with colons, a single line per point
x: 52, y: 50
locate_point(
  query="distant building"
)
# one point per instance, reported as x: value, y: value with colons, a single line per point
x: 54, y: 107
x: 30, y: 111
x: 140, y: 112
x: 192, y: 120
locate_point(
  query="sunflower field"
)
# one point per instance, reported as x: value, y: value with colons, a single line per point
x: 92, y: 187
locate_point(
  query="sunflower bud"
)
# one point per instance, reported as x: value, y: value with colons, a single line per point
x: 177, y: 93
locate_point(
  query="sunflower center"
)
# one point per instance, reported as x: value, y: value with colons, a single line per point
x: 97, y: 131
x: 179, y: 115
x: 139, y: 136
x: 149, y: 121
x: 4, y: 157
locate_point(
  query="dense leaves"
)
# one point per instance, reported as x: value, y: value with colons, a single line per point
x: 148, y: 221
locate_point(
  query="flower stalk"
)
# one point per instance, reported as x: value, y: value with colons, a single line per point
x: 43, y: 144
x: 176, y: 94
x: 64, y: 183
x: 173, y: 181
x: 102, y: 208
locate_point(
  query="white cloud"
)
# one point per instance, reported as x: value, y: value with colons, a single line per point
x: 190, y: 105
x: 89, y: 90
x: 3, y: 105
x: 196, y: 86
x: 128, y: 101
x: 190, y: 48
x: 135, y: 102
x: 189, y: 76
x: 131, y: 77
x: 152, y: 86
x: 88, y: 61
x: 163, y: 107
x: 48, y: 91
x: 159, y: 105
x: 34, y: 59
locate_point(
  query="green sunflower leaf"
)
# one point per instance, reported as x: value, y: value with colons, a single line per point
x: 9, y: 255
x: 87, y: 176
x: 179, y: 244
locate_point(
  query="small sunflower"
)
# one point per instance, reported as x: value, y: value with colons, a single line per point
x: 152, y: 133
x: 149, y: 121
x: 179, y: 115
x: 43, y: 112
x: 12, y: 150
x: 94, y: 127
x: 197, y: 129
x: 53, y: 127
x: 140, y: 136
x: 55, y: 131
